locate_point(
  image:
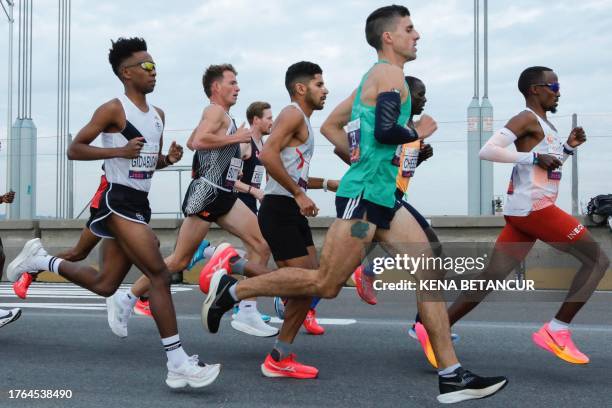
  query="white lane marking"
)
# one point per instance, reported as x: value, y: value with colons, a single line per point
x: 68, y: 306
x: 325, y: 321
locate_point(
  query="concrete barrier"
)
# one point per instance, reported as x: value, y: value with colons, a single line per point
x: 58, y: 235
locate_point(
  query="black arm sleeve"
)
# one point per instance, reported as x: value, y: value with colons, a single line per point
x: 386, y: 129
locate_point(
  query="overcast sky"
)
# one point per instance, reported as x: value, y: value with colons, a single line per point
x: 262, y: 39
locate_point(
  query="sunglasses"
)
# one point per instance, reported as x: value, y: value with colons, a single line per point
x: 555, y: 86
x: 146, y: 65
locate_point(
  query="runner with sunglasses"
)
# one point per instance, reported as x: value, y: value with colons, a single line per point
x: 212, y: 197
x: 131, y: 130
x: 531, y: 213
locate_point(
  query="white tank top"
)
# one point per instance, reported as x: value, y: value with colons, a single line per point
x: 296, y: 160
x: 135, y: 173
x: 531, y: 187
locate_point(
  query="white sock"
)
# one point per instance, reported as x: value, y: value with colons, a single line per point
x: 174, y: 350
x: 128, y: 299
x: 248, y: 306
x: 49, y: 263
x: 448, y: 371
x: 209, y: 251
x: 556, y: 325
x: 232, y: 292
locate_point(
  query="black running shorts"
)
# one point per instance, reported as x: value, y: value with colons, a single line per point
x: 355, y: 208
x: 207, y: 201
x: 123, y: 201
x: 284, y: 227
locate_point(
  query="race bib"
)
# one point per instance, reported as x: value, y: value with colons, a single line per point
x: 409, y: 164
x: 257, y: 178
x: 143, y: 166
x: 303, y: 181
x: 233, y: 173
x: 353, y: 131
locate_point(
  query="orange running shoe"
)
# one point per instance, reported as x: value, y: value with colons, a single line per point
x: 560, y: 344
x: 142, y: 308
x: 311, y: 325
x: 287, y: 367
x: 365, y: 285
x: 21, y: 286
x: 220, y: 260
x: 423, y: 338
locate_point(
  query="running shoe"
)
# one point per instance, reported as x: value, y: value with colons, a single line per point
x: 142, y: 308
x: 26, y: 260
x: 279, y: 307
x: 560, y: 344
x: 117, y: 315
x: 311, y: 325
x: 219, y: 261
x: 287, y: 367
x: 464, y: 385
x: 199, y: 254
x: 193, y: 373
x: 218, y: 301
x: 364, y: 285
x: 423, y: 339
x: 10, y: 316
x: 21, y: 286
x: 251, y: 323
x: 412, y: 333
x: 264, y: 317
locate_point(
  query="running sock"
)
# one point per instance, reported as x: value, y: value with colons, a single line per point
x: 238, y: 266
x: 144, y: 298
x: 248, y: 306
x: 209, y: 251
x: 174, y: 351
x: 232, y: 292
x: 49, y: 263
x: 448, y: 371
x: 556, y: 325
x: 315, y: 302
x: 280, y: 350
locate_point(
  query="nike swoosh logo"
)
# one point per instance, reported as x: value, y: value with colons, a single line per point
x: 463, y: 383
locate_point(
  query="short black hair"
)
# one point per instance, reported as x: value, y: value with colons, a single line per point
x: 214, y: 73
x: 123, y: 49
x: 412, y: 81
x: 380, y: 21
x: 301, y: 72
x: 531, y: 76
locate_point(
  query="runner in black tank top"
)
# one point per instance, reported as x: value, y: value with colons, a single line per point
x: 212, y: 195
x: 259, y: 116
x: 130, y: 128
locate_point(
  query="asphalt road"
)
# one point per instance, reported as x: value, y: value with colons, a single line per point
x: 365, y: 358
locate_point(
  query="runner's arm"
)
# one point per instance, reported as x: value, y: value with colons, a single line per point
x: 495, y: 149
x: 333, y: 128
x: 286, y: 125
x: 105, y: 118
x: 206, y: 135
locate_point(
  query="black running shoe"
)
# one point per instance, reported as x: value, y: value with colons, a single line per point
x: 218, y: 301
x: 11, y: 316
x: 464, y: 385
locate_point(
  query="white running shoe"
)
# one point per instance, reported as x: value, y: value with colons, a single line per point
x: 27, y: 260
x: 9, y: 316
x: 192, y: 373
x: 251, y: 323
x: 118, y: 314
